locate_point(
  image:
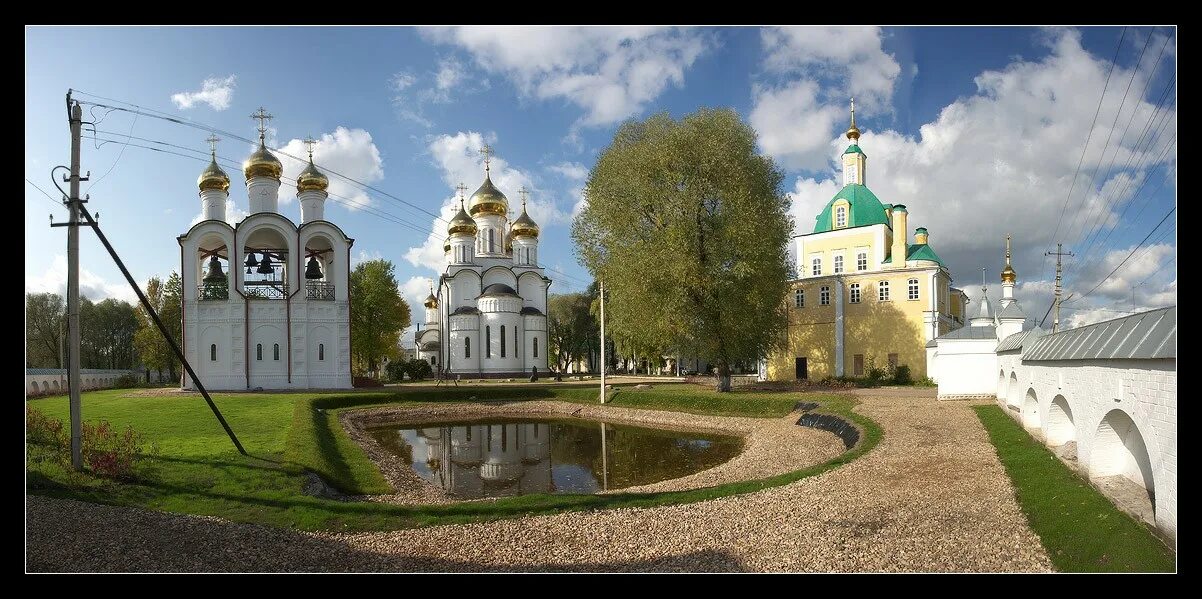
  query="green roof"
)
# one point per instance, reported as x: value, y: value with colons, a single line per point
x: 865, y: 209
x: 854, y: 149
x: 919, y: 251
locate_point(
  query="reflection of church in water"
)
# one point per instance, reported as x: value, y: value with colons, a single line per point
x: 485, y: 460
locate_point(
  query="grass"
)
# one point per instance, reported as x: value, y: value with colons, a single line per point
x: 1080, y: 528
x: 196, y: 470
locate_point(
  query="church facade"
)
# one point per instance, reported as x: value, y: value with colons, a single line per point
x: 284, y: 321
x: 488, y: 316
x: 864, y: 296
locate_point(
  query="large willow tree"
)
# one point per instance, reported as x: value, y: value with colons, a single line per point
x: 688, y: 227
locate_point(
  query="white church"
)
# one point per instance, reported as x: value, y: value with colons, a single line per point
x: 488, y: 317
x: 266, y: 302
x: 1103, y: 397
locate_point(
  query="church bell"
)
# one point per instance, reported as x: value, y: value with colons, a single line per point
x: 265, y: 267
x: 312, y: 269
x: 251, y: 261
x: 215, y: 274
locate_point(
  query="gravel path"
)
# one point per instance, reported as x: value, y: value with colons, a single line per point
x: 931, y: 497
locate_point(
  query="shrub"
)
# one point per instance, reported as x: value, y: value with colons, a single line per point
x: 925, y: 381
x: 106, y: 452
x: 901, y: 375
x: 127, y: 380
x: 875, y: 377
x: 395, y: 371
x: 419, y: 369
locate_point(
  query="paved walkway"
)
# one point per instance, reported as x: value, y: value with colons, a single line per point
x: 931, y: 497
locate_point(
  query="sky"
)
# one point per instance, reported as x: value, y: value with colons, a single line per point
x: 1046, y: 134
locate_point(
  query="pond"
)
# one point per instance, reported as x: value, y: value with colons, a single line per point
x: 506, y: 457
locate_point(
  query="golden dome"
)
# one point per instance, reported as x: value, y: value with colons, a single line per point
x: 311, y: 179
x: 462, y: 223
x: 431, y: 301
x: 524, y: 226
x: 853, y: 132
x: 446, y: 245
x: 262, y: 164
x: 488, y: 200
x: 1008, y: 274
x: 213, y: 178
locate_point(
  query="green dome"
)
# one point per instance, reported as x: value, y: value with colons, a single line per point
x: 865, y: 209
x: 854, y: 149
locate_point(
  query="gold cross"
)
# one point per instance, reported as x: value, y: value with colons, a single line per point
x: 213, y: 139
x: 462, y: 188
x: 486, y: 151
x: 522, y: 192
x: 262, y: 117
x: 853, y: 112
x: 1007, y: 249
x: 309, y: 141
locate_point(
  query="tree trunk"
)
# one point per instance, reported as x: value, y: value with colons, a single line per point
x: 723, y: 377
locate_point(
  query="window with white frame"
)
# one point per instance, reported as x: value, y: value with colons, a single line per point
x: 799, y: 298
x: 816, y: 266
x: 838, y: 264
x: 862, y: 261
x: 882, y: 291
x: 840, y: 217
x: 824, y: 296
x: 855, y: 293
x: 913, y: 289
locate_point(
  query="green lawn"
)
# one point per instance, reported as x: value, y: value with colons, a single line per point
x: 198, y: 471
x: 1081, y: 529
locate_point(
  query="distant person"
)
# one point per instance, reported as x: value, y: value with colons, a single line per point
x: 533, y: 374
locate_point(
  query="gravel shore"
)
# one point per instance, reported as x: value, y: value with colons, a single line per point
x: 932, y: 496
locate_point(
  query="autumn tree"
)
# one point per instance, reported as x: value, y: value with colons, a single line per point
x: 153, y: 350
x: 378, y: 314
x: 688, y: 226
x: 45, y: 328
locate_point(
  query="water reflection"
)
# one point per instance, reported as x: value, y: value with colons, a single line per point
x: 499, y: 458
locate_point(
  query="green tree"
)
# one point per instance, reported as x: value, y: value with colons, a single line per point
x: 172, y: 315
x: 106, y: 334
x: 572, y: 329
x: 688, y: 226
x: 153, y: 350
x: 378, y: 314
x: 45, y: 329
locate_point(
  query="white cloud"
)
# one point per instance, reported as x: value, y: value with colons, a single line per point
x: 1001, y: 161
x: 215, y: 91
x: 610, y: 72
x: 794, y: 114
x: 350, y: 152
x: 365, y: 256
x: 457, y: 158
x: 450, y: 80
x: 414, y: 291
x: 91, y: 286
x: 576, y: 174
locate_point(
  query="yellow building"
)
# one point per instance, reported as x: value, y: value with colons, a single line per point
x: 864, y: 296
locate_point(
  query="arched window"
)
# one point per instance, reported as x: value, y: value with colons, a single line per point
x: 838, y: 264
x: 855, y: 293
x: 824, y: 296
x: 841, y: 217
x: 502, y: 341
x: 799, y: 298
x: 487, y: 342
x: 467, y: 347
x: 913, y: 289
x: 321, y: 351
x: 883, y: 291
x: 275, y: 352
x: 491, y: 245
x: 536, y: 347
x: 259, y: 351
x: 434, y: 360
x: 816, y: 264
x: 213, y: 352
x: 862, y: 261
x: 516, y: 345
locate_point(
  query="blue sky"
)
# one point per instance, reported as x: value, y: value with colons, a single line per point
x: 977, y: 130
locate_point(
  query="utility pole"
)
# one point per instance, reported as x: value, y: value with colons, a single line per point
x: 73, y: 204
x: 1059, y: 253
x: 602, y: 340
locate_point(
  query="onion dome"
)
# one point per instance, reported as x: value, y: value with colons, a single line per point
x: 213, y: 178
x: 524, y: 226
x: 446, y: 245
x: 853, y: 132
x: 1008, y: 274
x: 311, y: 179
x: 488, y: 200
x: 431, y: 301
x: 262, y: 164
x: 462, y: 223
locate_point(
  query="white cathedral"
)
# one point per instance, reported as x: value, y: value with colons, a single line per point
x: 284, y: 321
x: 488, y: 318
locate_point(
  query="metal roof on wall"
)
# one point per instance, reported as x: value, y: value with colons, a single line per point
x: 1144, y: 336
x: 1016, y: 340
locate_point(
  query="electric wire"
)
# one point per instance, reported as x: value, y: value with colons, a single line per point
x: 1120, y: 265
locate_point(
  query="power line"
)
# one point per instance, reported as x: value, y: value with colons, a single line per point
x: 1157, y: 271
x: 119, y: 155
x: 1095, y: 287
x: 1081, y: 160
x: 48, y: 197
